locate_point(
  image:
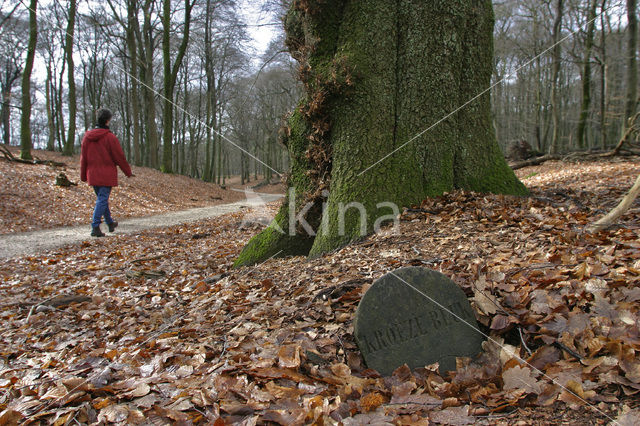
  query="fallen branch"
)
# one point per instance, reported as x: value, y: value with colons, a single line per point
x: 620, y: 209
x: 10, y: 157
x: 534, y: 161
x: 631, y: 129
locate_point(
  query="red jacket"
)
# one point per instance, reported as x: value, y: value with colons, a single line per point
x: 101, y: 152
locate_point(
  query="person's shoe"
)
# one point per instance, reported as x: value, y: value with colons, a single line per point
x: 96, y: 232
x: 113, y: 225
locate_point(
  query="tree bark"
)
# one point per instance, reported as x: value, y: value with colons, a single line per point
x: 149, y: 92
x: 603, y: 77
x: 71, y: 136
x: 170, y: 76
x: 586, y: 76
x: 132, y: 23
x: 632, y: 67
x: 25, y: 119
x: 555, y: 96
x: 51, y: 139
x: 377, y: 73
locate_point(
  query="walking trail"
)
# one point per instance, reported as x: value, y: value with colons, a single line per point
x: 29, y: 243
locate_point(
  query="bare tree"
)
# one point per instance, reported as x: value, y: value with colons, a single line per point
x: 170, y: 76
x: 586, y: 75
x: 68, y: 49
x: 25, y: 120
x: 11, y: 48
x: 557, y: 58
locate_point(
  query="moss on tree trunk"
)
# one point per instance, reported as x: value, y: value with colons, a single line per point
x: 377, y: 73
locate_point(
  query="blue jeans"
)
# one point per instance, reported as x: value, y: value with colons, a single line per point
x: 102, y: 206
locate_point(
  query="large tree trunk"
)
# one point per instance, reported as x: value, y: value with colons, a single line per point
x: 71, y: 137
x: 377, y: 73
x: 25, y: 119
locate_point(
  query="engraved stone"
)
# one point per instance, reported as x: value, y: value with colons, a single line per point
x: 395, y: 324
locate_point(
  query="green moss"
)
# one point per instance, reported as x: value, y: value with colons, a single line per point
x: 376, y: 74
x: 275, y: 241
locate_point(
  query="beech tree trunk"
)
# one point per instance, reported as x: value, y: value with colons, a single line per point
x: 25, y: 118
x: 377, y: 73
x: 147, y: 50
x: 555, y: 96
x: 170, y: 76
x: 132, y: 29
x: 71, y: 137
x: 586, y: 76
x: 632, y: 70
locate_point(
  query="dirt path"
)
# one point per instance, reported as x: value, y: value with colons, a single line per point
x: 13, y: 245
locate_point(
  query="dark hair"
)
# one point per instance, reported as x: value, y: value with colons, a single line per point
x: 104, y: 115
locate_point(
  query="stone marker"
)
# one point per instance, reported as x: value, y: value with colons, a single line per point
x: 396, y: 325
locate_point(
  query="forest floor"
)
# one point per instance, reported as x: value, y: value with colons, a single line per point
x: 158, y: 327
x: 30, y: 200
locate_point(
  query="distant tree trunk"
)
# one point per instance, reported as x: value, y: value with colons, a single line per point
x: 586, y: 76
x: 211, y: 100
x: 603, y: 78
x: 150, y: 99
x: 68, y: 48
x: 170, y: 76
x: 132, y: 23
x: 25, y: 119
x: 51, y: 140
x: 60, y: 115
x: 5, y: 112
x: 377, y: 73
x: 632, y: 67
x: 555, y: 95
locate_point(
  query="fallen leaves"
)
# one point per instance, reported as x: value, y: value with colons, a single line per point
x: 30, y: 200
x: 207, y: 344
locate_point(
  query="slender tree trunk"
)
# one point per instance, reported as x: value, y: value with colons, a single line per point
x: 71, y: 137
x: 555, y: 95
x: 632, y: 67
x: 132, y: 24
x: 25, y: 119
x: 586, y: 77
x: 150, y: 100
x: 603, y: 78
x: 59, y: 109
x: 539, y: 122
x: 210, y: 99
x: 51, y: 140
x: 373, y: 83
x: 170, y: 76
x: 5, y: 112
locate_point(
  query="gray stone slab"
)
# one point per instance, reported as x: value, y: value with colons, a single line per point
x: 395, y: 324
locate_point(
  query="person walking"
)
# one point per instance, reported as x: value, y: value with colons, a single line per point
x: 100, y: 154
